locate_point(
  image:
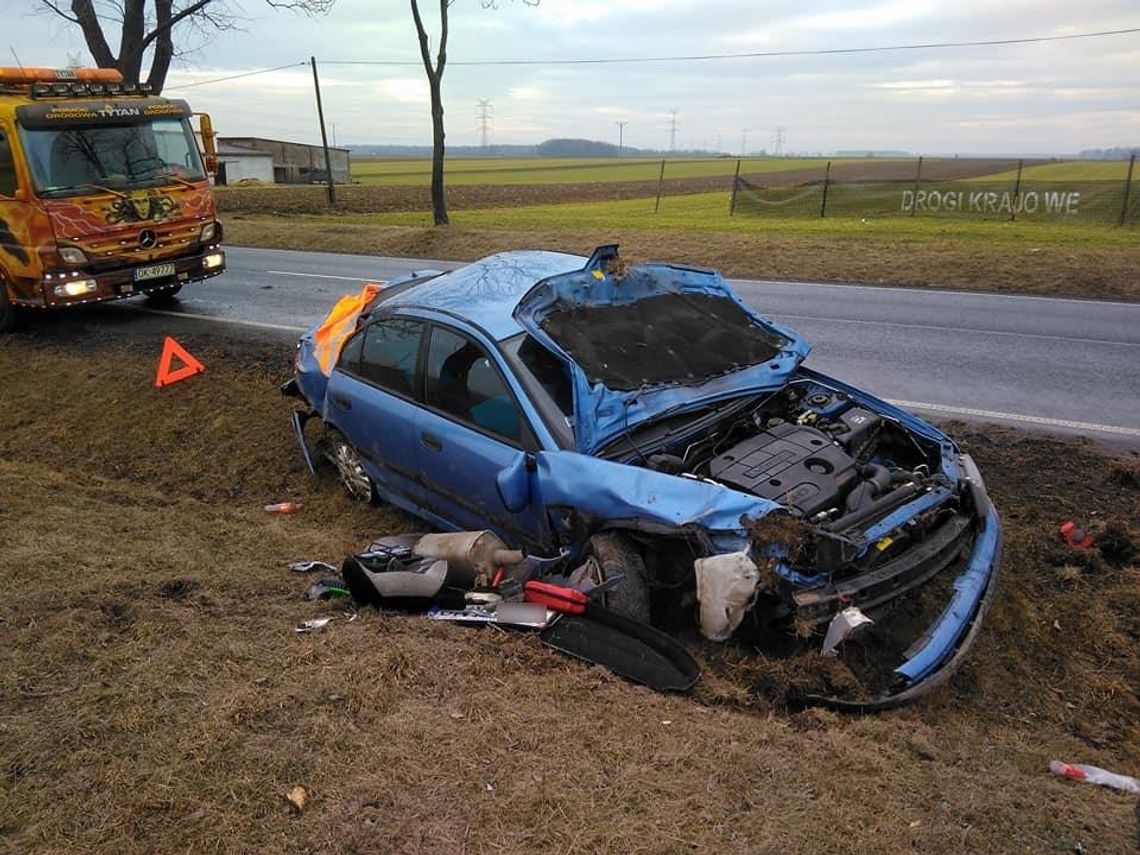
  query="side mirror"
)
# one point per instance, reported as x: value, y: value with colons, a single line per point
x: 514, y: 482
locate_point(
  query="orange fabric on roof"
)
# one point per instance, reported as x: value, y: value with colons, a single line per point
x: 339, y: 324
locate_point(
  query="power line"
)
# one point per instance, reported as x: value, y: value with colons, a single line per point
x: 750, y: 55
x: 686, y: 58
x: 233, y: 76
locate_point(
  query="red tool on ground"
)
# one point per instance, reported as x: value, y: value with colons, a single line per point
x: 556, y: 597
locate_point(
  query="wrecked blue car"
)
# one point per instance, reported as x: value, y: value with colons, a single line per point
x: 648, y: 420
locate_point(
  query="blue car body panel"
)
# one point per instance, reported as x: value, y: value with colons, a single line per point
x: 601, y: 414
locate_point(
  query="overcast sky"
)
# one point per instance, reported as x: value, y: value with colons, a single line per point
x: 1047, y: 97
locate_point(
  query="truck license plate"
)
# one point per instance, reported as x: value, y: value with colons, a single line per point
x: 155, y: 271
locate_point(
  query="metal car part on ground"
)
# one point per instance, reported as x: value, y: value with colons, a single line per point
x: 647, y: 414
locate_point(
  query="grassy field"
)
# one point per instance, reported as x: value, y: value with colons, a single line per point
x: 1072, y: 170
x: 154, y: 697
x: 558, y: 170
x: 577, y: 204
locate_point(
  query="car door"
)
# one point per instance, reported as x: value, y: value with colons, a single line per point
x: 469, y: 430
x: 371, y: 399
x: 17, y: 246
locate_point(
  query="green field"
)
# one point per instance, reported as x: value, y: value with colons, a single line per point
x: 1066, y: 170
x: 556, y: 170
x: 708, y: 212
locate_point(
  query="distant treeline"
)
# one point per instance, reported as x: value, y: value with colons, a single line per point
x: 1122, y: 152
x: 547, y: 148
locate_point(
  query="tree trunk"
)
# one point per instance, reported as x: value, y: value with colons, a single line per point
x: 163, y: 46
x: 438, y: 195
x: 131, y: 41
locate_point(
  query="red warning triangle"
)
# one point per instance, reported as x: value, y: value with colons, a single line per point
x: 171, y: 350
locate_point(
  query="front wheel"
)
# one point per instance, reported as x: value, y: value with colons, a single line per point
x: 350, y: 468
x: 7, y: 310
x: 615, y: 554
x: 163, y: 296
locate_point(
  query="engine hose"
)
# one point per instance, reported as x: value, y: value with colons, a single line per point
x: 895, y: 497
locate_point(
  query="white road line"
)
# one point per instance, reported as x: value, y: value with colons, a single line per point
x: 935, y: 291
x: 958, y: 329
x: 1016, y: 417
x: 234, y: 321
x: 318, y: 275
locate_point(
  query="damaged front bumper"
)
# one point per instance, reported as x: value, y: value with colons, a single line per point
x: 940, y: 650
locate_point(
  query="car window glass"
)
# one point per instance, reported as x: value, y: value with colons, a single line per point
x: 388, y: 354
x: 7, y: 166
x: 350, y: 354
x: 550, y: 371
x: 462, y: 381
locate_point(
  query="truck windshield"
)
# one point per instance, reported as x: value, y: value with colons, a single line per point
x: 72, y: 161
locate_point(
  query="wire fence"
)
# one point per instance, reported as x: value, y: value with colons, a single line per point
x: 987, y: 189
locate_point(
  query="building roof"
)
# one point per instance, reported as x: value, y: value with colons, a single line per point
x: 238, y: 151
x: 487, y: 291
x: 234, y: 141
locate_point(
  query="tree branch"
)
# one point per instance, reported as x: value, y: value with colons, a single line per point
x: 421, y: 32
x: 88, y: 20
x: 60, y: 12
x: 174, y: 19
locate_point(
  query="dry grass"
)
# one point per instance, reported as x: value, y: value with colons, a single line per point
x: 155, y: 698
x: 937, y: 262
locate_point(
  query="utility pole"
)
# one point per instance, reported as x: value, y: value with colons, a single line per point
x: 781, y: 131
x: 484, y: 105
x: 621, y: 135
x: 324, y: 136
x: 744, y: 142
x: 672, y: 130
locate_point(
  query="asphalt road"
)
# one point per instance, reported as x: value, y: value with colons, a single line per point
x: 1071, y: 366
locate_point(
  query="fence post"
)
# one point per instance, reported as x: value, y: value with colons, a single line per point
x: 1127, y: 189
x: 1016, y: 191
x: 660, y: 181
x: 736, y: 183
x: 826, y: 181
x: 917, y: 178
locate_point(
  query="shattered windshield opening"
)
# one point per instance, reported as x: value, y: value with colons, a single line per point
x: 663, y: 339
x: 71, y: 161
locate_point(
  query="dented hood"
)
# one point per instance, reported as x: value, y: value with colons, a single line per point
x: 653, y: 339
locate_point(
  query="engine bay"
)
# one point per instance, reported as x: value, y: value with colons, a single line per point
x: 816, y: 451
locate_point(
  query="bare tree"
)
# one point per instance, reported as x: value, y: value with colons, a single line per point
x: 149, y: 26
x: 435, y: 80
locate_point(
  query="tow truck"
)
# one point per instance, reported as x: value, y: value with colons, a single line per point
x: 104, y: 191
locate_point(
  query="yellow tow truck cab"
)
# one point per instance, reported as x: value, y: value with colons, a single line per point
x: 104, y: 191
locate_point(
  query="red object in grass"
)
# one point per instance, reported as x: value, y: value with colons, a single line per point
x: 1075, y: 537
x: 555, y: 597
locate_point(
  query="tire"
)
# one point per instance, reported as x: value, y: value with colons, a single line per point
x: 343, y: 455
x: 7, y: 310
x: 163, y: 296
x: 616, y: 554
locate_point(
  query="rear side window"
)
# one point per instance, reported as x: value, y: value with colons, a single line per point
x: 388, y: 354
x: 7, y: 166
x: 462, y: 381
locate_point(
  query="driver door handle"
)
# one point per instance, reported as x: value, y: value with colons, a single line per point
x: 430, y: 442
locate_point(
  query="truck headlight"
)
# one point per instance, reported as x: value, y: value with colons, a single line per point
x: 208, y: 232
x: 76, y: 288
x: 214, y: 259
x: 72, y: 255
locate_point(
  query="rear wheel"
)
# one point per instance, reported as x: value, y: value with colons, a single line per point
x: 615, y: 554
x: 163, y: 296
x: 350, y: 468
x: 7, y: 310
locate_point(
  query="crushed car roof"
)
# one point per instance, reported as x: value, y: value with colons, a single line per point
x: 487, y: 291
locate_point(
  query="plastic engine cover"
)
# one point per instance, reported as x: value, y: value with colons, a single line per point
x: 797, y: 466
